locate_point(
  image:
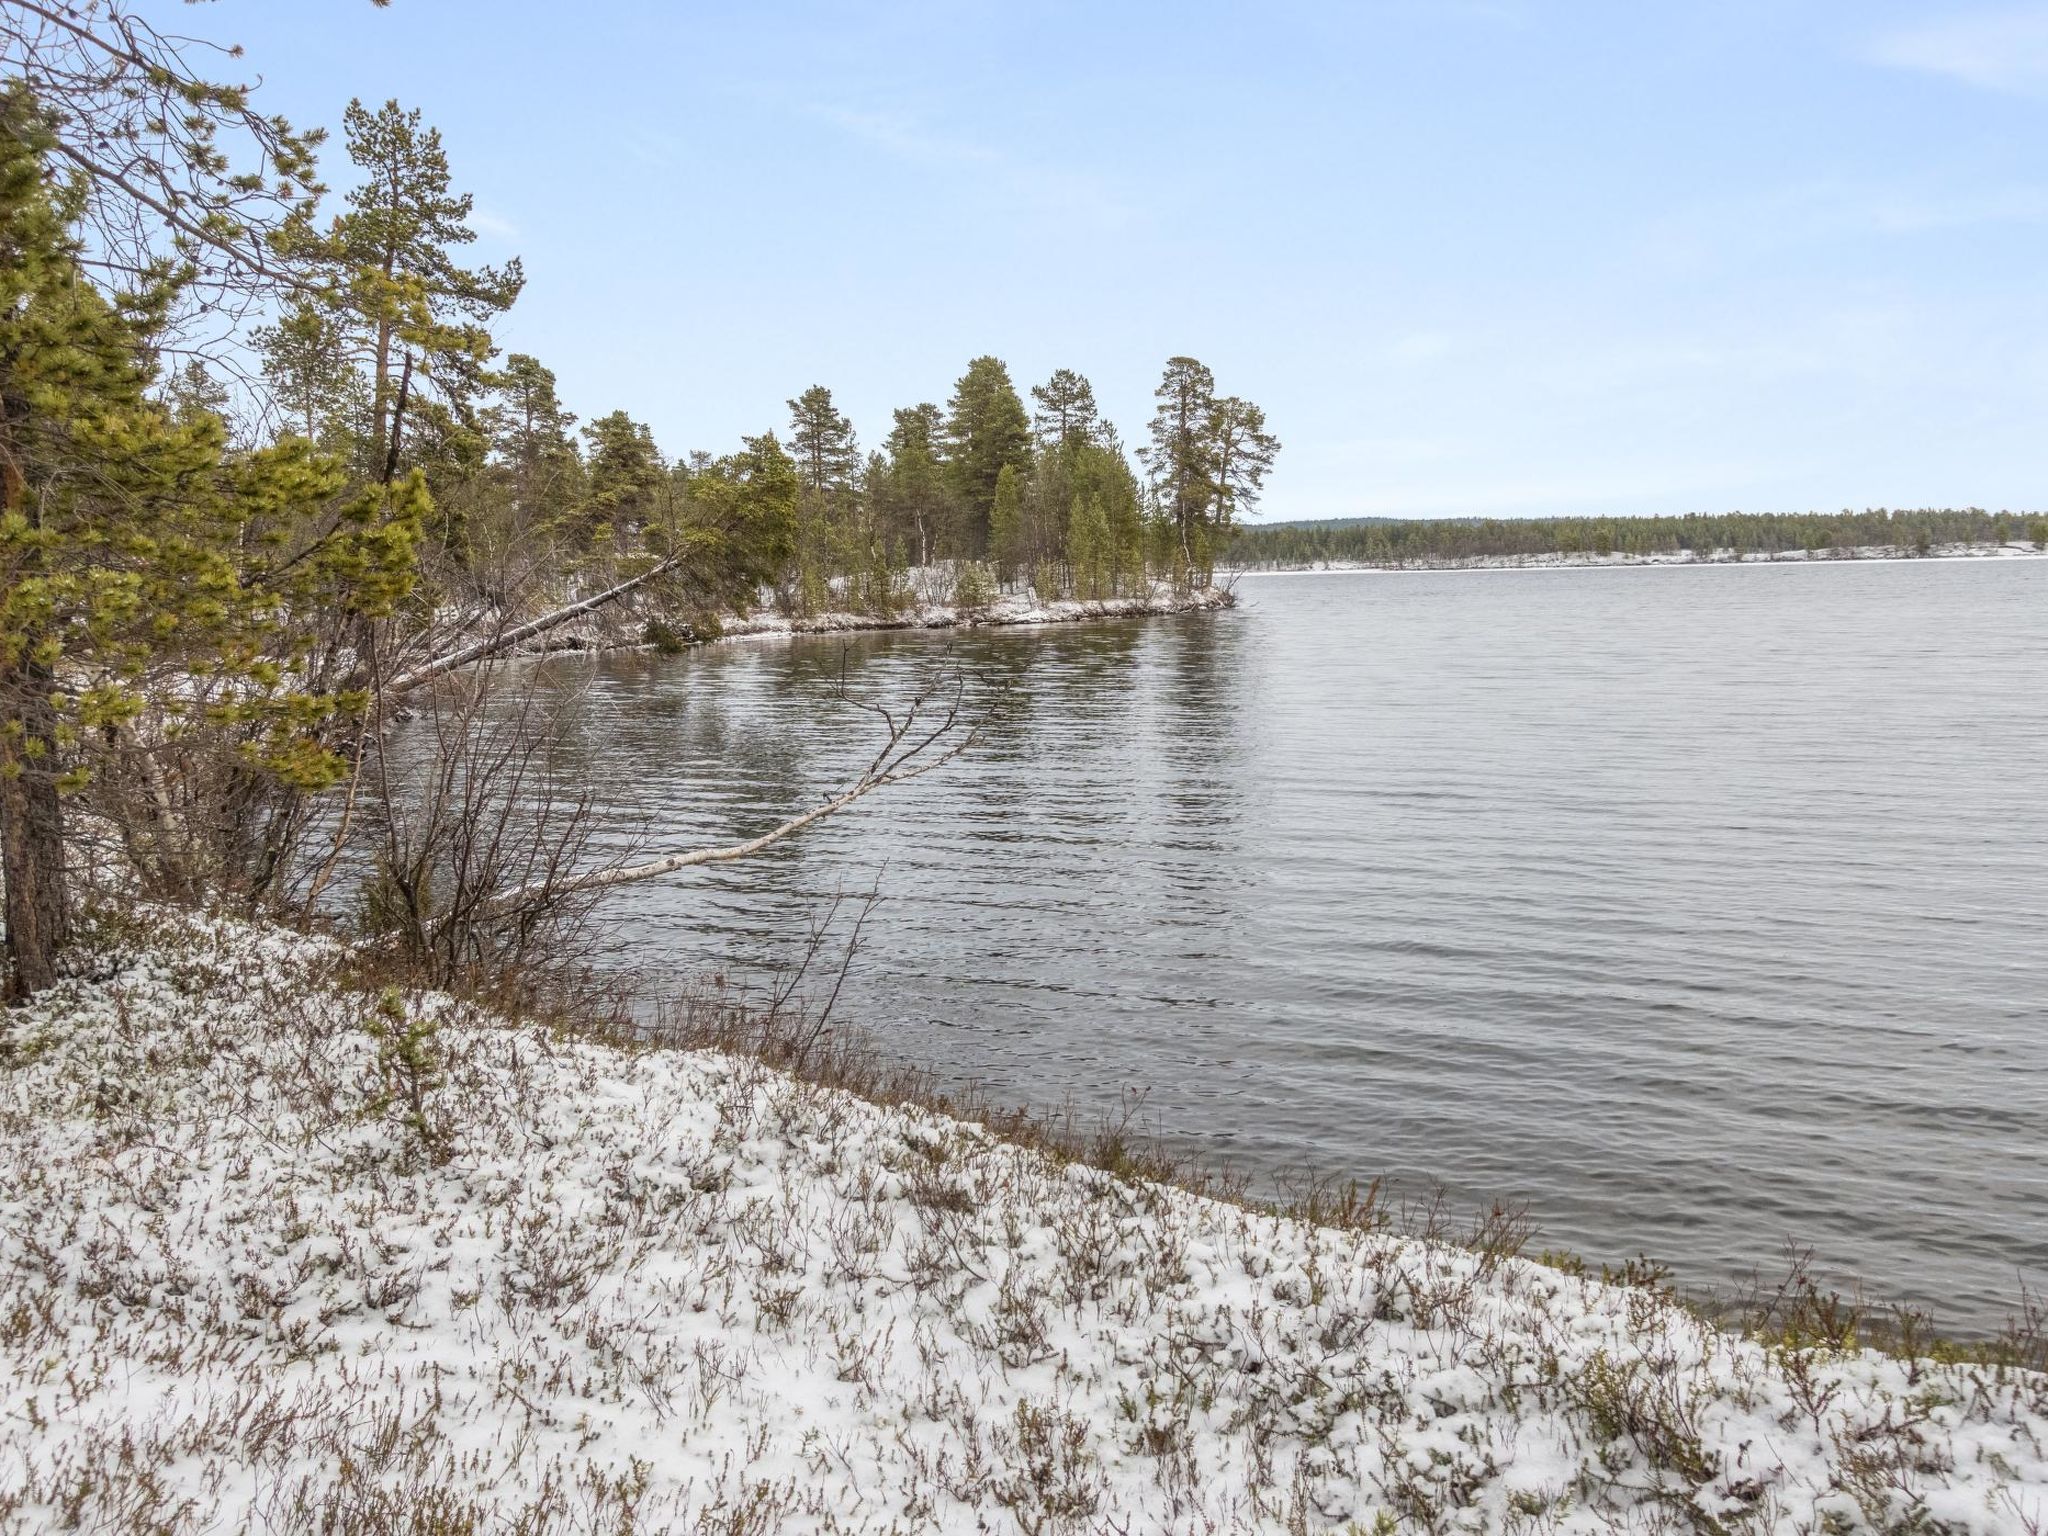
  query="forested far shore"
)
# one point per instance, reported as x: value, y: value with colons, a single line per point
x: 1396, y: 542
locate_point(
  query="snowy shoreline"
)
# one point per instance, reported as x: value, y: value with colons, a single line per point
x: 605, y: 633
x: 1861, y: 555
x: 1009, y: 610
x: 275, y: 1256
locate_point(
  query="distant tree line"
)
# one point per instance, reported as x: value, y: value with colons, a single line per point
x: 1399, y: 542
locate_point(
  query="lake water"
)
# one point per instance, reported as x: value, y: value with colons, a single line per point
x: 1700, y: 909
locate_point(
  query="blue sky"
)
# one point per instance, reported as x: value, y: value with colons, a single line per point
x: 1506, y: 258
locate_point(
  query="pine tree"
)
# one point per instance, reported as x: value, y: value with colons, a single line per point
x: 146, y: 574
x: 1066, y: 409
x: 1180, y: 457
x: 828, y: 536
x: 739, y: 521
x: 1101, y: 474
x: 530, y: 432
x: 1091, y: 549
x: 180, y: 173
x: 986, y: 431
x: 916, y: 501
x: 394, y: 247
x: 305, y: 363
x: 1242, y: 453
x: 1208, y: 460
x: 193, y: 392
x: 626, y: 482
x: 822, y: 442
x: 1006, y: 526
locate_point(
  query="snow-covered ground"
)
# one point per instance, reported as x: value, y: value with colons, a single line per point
x: 928, y: 604
x: 1008, y: 609
x: 275, y: 1260
x: 1583, y: 559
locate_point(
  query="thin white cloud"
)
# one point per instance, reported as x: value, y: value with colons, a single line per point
x: 1420, y: 347
x: 1045, y: 187
x: 1708, y: 234
x: 902, y: 135
x: 487, y: 223
x: 2000, y: 50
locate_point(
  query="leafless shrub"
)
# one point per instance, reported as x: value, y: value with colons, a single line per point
x: 470, y: 807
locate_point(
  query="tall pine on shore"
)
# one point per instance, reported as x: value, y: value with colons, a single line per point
x: 422, y: 316
x: 915, y: 500
x: 159, y: 595
x: 1208, y: 459
x: 986, y: 432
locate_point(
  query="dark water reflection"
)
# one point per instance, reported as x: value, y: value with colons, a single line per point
x: 1698, y: 908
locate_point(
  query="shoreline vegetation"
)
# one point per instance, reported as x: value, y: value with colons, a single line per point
x: 376, y: 1258
x: 929, y: 602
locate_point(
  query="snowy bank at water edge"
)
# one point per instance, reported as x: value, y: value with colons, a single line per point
x: 279, y: 1256
x: 927, y: 604
x: 1011, y: 608
x: 1581, y: 559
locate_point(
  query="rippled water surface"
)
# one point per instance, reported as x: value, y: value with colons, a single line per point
x: 1699, y: 909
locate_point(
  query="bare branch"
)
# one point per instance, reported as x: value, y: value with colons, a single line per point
x: 921, y: 740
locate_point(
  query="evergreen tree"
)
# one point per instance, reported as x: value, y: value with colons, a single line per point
x: 1208, y: 459
x: 626, y: 481
x: 822, y: 442
x: 1181, y: 459
x: 1091, y: 549
x: 193, y: 392
x: 530, y: 432
x: 179, y: 173
x: 305, y: 363
x: 986, y: 431
x: 1242, y: 453
x: 1066, y: 409
x: 828, y: 469
x: 1124, y: 506
x: 1006, y: 527
x: 394, y: 248
x: 915, y: 498
x: 739, y: 521
x: 144, y: 571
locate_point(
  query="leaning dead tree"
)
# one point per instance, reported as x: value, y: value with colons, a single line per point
x: 508, y: 638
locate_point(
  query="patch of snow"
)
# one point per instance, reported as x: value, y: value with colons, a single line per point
x: 1010, y: 608
x: 259, y: 1276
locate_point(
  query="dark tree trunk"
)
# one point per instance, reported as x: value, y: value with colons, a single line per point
x: 31, y: 831
x: 31, y: 815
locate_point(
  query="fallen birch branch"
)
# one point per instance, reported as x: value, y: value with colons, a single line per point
x: 917, y: 741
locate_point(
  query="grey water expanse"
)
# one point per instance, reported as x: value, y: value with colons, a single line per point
x: 1701, y: 909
